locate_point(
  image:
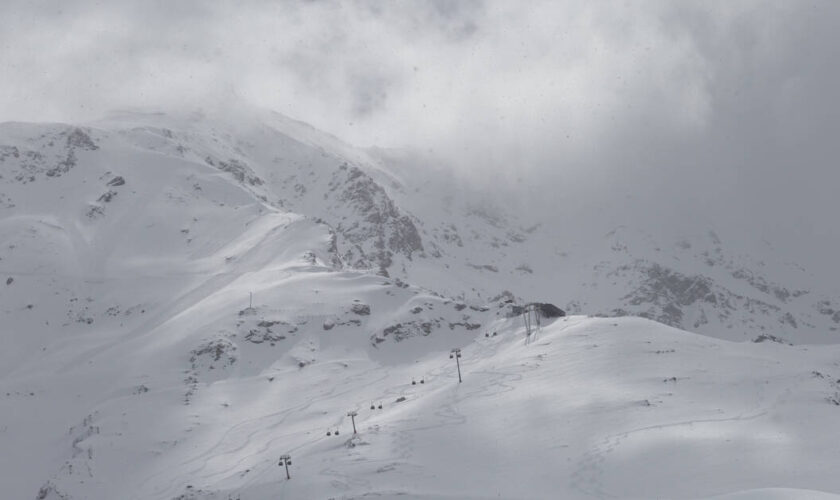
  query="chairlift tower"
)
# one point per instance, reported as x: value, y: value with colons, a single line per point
x: 352, y: 415
x: 531, y: 316
x: 285, y: 460
x: 456, y: 353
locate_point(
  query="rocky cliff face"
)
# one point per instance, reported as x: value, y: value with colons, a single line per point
x: 377, y: 230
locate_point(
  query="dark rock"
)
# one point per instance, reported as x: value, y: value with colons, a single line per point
x: 485, y: 267
x: 95, y: 211
x: 240, y: 171
x: 107, y: 197
x: 506, y: 296
x: 468, y: 326
x: 258, y: 336
x: 402, y: 331
x: 77, y: 138
x: 117, y: 181
x: 360, y: 309
x: 215, y: 349
x: 770, y: 338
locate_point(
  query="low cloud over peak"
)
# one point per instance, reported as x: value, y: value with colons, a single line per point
x: 716, y: 110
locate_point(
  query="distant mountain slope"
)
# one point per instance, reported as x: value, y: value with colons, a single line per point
x: 394, y: 214
x: 692, y: 279
x: 184, y: 295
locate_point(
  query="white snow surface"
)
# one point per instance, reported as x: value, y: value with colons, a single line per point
x: 133, y: 366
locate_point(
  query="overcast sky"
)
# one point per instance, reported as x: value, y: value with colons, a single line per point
x: 721, y: 110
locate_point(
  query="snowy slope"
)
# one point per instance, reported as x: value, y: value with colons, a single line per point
x: 560, y: 418
x: 593, y: 408
x: 133, y: 366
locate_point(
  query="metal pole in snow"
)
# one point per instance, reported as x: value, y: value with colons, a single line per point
x: 352, y: 415
x: 286, y: 460
x: 528, y: 320
x: 526, y: 317
x: 456, y: 353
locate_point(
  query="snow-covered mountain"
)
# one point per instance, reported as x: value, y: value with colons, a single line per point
x: 186, y: 296
x: 391, y: 214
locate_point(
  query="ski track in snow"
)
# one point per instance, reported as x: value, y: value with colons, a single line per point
x: 230, y: 444
x: 587, y: 477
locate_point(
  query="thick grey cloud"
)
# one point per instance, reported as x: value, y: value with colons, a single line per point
x: 686, y: 113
